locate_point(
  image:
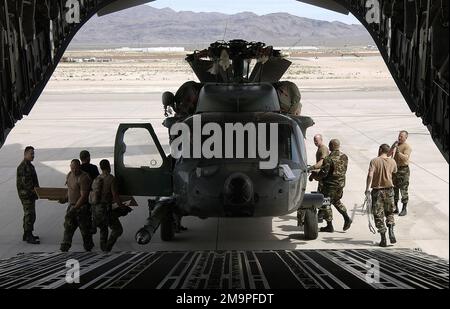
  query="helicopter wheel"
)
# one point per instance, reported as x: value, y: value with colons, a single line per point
x: 311, y: 226
x: 167, y: 227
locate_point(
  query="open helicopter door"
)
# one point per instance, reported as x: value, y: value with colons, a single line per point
x: 140, y: 164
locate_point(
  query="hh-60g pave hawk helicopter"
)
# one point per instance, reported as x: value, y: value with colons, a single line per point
x: 238, y: 90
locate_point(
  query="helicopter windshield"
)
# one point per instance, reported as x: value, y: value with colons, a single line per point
x: 247, y: 144
x: 287, y: 147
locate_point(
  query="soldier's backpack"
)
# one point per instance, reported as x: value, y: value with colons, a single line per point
x: 289, y: 97
x: 95, y: 196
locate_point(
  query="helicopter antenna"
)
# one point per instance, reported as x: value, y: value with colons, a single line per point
x: 226, y: 28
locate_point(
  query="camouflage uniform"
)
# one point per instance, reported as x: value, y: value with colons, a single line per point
x: 383, y: 205
x: 401, y: 184
x: 332, y: 174
x: 26, y: 182
x: 104, y: 217
x: 77, y: 218
x: 100, y: 214
x: 116, y: 230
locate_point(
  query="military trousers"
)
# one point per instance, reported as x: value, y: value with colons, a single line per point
x: 29, y: 214
x: 77, y: 218
x: 401, y: 184
x: 335, y: 195
x: 105, y: 219
x: 383, y: 207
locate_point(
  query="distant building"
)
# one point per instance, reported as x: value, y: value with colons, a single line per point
x: 81, y: 60
x: 298, y: 48
x: 151, y: 49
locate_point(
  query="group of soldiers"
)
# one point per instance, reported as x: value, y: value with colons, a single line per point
x: 90, y: 196
x: 388, y: 177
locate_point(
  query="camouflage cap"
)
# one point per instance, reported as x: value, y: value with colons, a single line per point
x: 335, y: 144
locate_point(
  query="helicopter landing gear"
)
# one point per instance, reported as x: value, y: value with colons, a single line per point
x: 311, y: 225
x: 168, y: 227
x: 161, y: 214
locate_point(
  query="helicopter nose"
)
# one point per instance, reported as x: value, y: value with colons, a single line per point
x: 143, y: 236
x: 238, y: 189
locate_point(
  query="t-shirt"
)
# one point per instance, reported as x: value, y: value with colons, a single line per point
x: 76, y: 184
x: 322, y: 153
x: 402, y: 155
x: 91, y: 169
x: 382, y: 169
x: 109, y: 185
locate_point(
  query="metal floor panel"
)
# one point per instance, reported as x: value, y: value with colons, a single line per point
x: 266, y: 269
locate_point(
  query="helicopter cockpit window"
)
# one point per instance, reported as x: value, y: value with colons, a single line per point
x: 140, y: 150
x: 287, y: 146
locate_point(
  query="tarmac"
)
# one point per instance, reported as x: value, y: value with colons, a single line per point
x: 65, y: 122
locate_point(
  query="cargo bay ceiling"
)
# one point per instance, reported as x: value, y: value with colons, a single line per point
x: 412, y: 36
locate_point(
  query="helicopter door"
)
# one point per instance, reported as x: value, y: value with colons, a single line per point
x: 141, y: 166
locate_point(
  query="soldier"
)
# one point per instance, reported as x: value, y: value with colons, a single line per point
x: 401, y: 153
x: 332, y: 175
x: 92, y: 171
x: 105, y: 187
x: 78, y: 214
x: 379, y: 178
x: 26, y: 182
x: 321, y: 153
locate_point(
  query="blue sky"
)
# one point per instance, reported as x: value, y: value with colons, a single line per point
x: 259, y: 7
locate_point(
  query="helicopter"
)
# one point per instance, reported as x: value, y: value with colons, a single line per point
x: 234, y: 150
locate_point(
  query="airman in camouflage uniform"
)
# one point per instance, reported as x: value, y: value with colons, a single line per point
x: 26, y: 182
x: 401, y: 152
x: 379, y: 178
x: 104, y: 216
x: 78, y: 213
x: 332, y: 175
